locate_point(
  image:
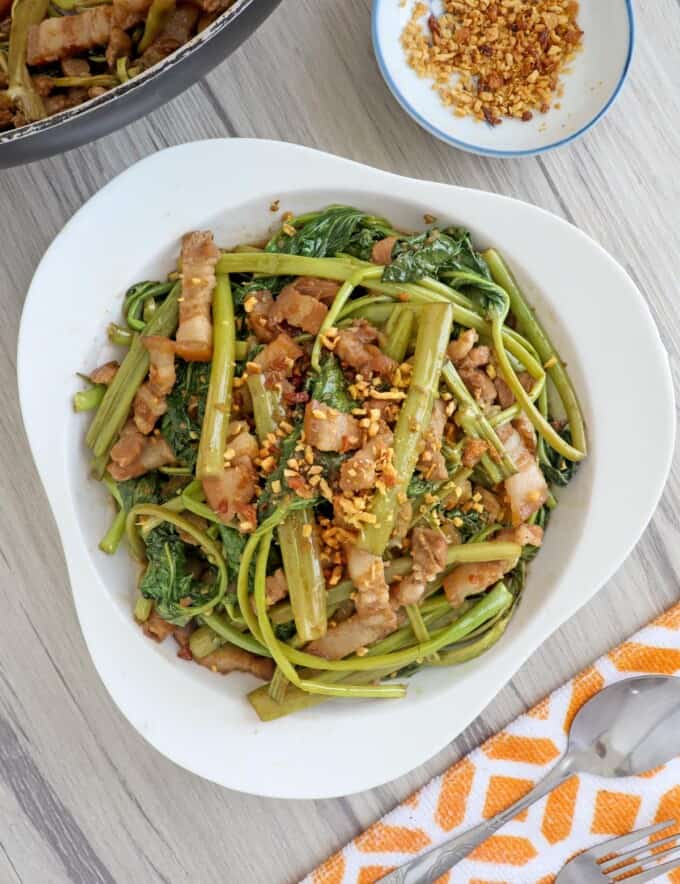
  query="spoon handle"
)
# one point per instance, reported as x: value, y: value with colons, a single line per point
x: 431, y: 865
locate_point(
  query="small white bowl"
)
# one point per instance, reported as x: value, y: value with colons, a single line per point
x: 590, y: 307
x: 595, y: 78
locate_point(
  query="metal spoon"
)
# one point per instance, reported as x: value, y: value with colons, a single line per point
x: 628, y: 728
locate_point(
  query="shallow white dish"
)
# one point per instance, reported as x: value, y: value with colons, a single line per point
x: 204, y: 722
x: 596, y: 76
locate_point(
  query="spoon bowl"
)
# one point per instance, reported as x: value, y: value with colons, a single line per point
x: 628, y: 728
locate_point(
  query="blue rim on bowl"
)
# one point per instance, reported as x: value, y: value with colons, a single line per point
x: 478, y: 149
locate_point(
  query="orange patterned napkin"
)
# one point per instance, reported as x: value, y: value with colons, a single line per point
x: 535, y: 845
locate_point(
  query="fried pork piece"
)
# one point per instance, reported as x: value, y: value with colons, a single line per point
x: 527, y: 489
x: 367, y: 573
x: 6, y: 107
x: 63, y: 36
x: 177, y: 30
x: 150, y: 400
x: 127, y: 13
x: 280, y: 355
x: 75, y: 67
x: 135, y: 454
x: 275, y: 587
x: 381, y: 253
x: 156, y: 628
x: 431, y: 462
x: 323, y: 290
x: 402, y: 523
x: 240, y: 441
x: 230, y: 494
x: 213, y: 6
x: 473, y: 451
x: 359, y: 472
x: 356, y: 346
x: 474, y: 577
x: 120, y: 45
x: 199, y: 257
x: 328, y: 429
x: 506, y: 397
x: 105, y: 373
x: 258, y: 306
x: 459, y: 349
x: 229, y: 658
x: 493, y: 508
x: 350, y: 635
x: 299, y: 305
x: 429, y: 560
x: 479, y: 384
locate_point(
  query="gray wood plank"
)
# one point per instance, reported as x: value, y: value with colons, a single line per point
x: 82, y: 797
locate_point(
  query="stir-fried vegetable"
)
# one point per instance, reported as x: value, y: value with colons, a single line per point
x: 352, y: 485
x: 60, y: 54
x: 21, y: 89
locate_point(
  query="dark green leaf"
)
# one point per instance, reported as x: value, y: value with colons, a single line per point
x: 362, y: 242
x: 233, y: 544
x: 515, y: 579
x: 331, y: 461
x: 330, y: 386
x: 529, y: 552
x: 269, y: 499
x: 240, y: 291
x: 557, y: 469
x: 472, y: 522
x: 168, y: 580
x: 468, y: 257
x: 284, y: 631
x: 181, y: 425
x: 145, y: 489
x: 419, y: 485
x: 325, y: 235
x: 424, y: 254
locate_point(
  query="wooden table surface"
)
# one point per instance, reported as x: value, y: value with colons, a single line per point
x: 82, y: 797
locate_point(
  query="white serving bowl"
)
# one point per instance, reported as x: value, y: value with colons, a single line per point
x: 130, y: 230
x: 596, y: 76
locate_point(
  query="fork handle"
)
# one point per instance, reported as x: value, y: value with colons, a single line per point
x: 426, y: 868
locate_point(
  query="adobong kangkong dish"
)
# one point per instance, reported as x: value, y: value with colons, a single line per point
x: 332, y: 457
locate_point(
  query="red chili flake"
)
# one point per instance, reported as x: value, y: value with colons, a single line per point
x: 433, y: 25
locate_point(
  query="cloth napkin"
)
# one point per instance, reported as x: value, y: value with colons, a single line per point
x: 533, y: 847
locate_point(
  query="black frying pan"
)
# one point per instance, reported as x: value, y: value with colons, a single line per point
x: 139, y: 96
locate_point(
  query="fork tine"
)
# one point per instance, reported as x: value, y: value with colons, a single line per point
x: 623, y: 859
x: 623, y: 841
x: 648, y: 861
x: 654, y: 873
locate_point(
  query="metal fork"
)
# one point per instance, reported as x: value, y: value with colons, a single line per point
x: 606, y: 863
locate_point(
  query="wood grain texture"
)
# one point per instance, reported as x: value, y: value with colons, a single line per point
x: 82, y: 798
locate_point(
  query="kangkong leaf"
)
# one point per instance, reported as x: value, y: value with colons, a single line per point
x: 422, y: 255
x: 330, y: 386
x: 145, y: 489
x: 168, y: 579
x: 557, y: 469
x: 181, y: 425
x: 468, y: 523
x: 233, y: 544
x: 325, y: 235
x: 468, y: 257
